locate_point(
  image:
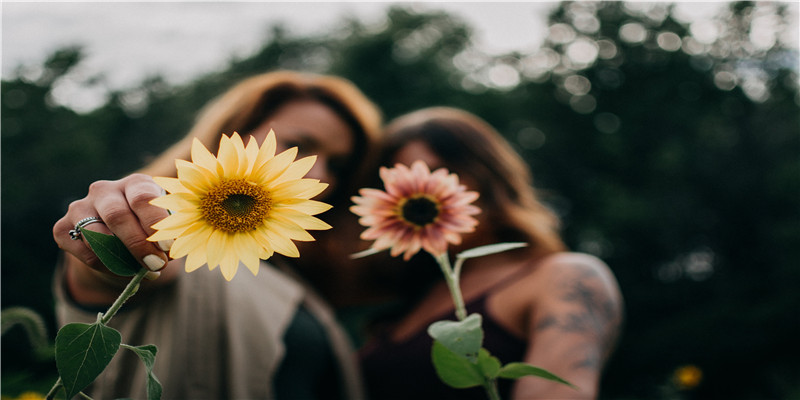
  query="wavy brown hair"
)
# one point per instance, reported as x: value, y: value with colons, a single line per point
x: 247, y: 104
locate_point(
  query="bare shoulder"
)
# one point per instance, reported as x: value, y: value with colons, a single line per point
x: 575, y: 320
x: 582, y: 297
x: 569, y: 269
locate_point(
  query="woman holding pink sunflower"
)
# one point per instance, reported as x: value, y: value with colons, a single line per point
x: 231, y: 202
x: 542, y: 305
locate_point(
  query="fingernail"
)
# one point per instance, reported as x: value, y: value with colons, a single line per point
x: 165, y: 244
x: 153, y: 262
x: 151, y: 276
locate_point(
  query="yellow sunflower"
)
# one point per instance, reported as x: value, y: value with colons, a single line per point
x: 243, y: 205
x: 420, y: 209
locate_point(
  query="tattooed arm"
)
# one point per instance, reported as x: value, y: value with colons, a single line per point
x: 574, y: 321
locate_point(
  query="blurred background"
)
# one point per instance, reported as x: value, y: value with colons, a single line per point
x: 666, y: 136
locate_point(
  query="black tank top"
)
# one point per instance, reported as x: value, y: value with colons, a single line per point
x: 404, y: 370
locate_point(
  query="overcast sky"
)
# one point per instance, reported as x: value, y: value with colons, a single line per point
x: 128, y: 41
x: 180, y: 39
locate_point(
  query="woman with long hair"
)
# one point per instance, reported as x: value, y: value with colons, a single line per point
x: 541, y: 304
x: 263, y: 336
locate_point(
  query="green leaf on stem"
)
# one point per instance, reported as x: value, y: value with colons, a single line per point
x: 461, y: 337
x: 453, y: 369
x: 82, y: 352
x: 488, y: 364
x: 147, y: 354
x: 517, y: 370
x: 112, y: 253
x: 490, y: 249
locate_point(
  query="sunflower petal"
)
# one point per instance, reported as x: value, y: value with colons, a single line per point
x: 291, y: 229
x: 194, y: 178
x: 229, y: 263
x: 246, y: 252
x: 267, y: 149
x: 282, y: 244
x: 216, y: 248
x: 194, y: 260
x: 310, y: 207
x: 186, y: 244
x: 176, y: 221
x: 251, y: 151
x: 275, y: 167
x: 297, y: 169
x: 241, y: 155
x: 228, y: 158
x: 305, y: 221
x: 175, y: 201
x: 171, y: 185
x: 297, y: 188
x: 202, y: 157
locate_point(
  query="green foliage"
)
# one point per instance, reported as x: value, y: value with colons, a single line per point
x: 683, y: 189
x: 147, y: 354
x: 488, y: 249
x: 408, y: 64
x: 34, y: 327
x: 463, y: 337
x: 460, y: 372
x: 517, y: 370
x: 455, y: 370
x: 82, y: 352
x: 114, y: 254
x: 489, y: 365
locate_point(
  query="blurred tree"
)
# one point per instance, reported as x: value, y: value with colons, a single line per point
x: 38, y: 140
x: 408, y: 64
x: 676, y: 160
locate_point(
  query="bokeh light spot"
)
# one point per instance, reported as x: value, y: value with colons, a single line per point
x: 633, y: 32
x: 669, y: 41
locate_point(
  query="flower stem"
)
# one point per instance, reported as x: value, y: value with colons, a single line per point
x: 129, y: 291
x: 491, y: 389
x: 52, y: 393
x: 452, y: 279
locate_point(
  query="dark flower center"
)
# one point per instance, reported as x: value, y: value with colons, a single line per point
x: 236, y: 206
x: 420, y: 210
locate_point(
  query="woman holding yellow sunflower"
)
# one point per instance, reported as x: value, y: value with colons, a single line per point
x: 541, y: 305
x: 262, y: 336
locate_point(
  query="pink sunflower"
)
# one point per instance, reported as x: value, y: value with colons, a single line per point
x: 420, y: 209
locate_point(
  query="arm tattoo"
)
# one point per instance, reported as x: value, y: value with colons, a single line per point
x: 594, y: 315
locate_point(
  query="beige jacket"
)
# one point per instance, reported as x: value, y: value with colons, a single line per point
x: 215, y: 339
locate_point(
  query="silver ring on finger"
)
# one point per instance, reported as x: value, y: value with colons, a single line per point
x: 75, y: 234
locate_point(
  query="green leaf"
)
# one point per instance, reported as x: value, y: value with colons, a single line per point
x: 112, y: 253
x: 82, y: 352
x: 517, y: 370
x: 147, y: 354
x: 454, y: 370
x: 488, y: 364
x: 461, y: 337
x: 490, y: 249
